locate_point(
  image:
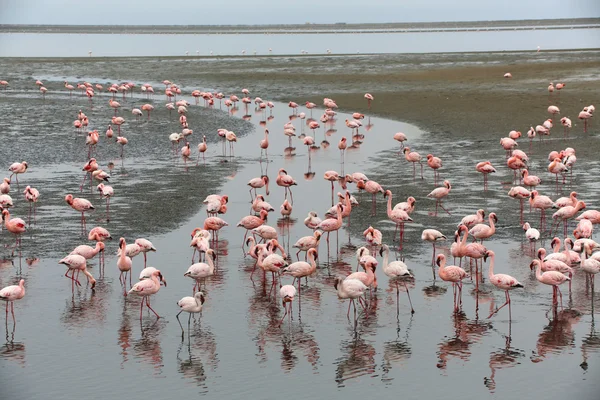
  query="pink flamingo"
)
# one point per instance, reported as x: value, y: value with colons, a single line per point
x: 16, y: 226
x: 146, y: 288
x: 122, y: 141
x: 530, y: 180
x: 191, y: 305
x: 551, y: 278
x: 16, y: 169
x: 302, y: 269
x: 501, y: 281
x: 557, y: 167
x: 31, y: 195
x: 264, y: 145
x: 332, y: 177
x: 342, y: 145
x: 369, y: 98
x: 250, y: 222
x: 434, y: 163
x: 350, y: 289
x: 79, y: 204
x: 453, y: 274
x: 202, y: 147
x: 373, y: 236
x: 413, y: 157
x: 286, y: 181
x: 373, y: 188
x: 542, y: 203
x: 473, y: 219
x: 124, y: 263
x: 400, y: 137
x: 307, y: 242
x: 483, y: 231
x: 438, y: 194
x: 566, y: 213
x: 398, y: 216
x: 485, y: 167
x: 330, y: 225
x: 287, y: 294
x: 10, y: 294
x: 396, y: 271
x: 201, y: 271
x: 532, y: 235
x: 432, y: 236
x: 5, y: 186
x: 88, y: 252
x: 75, y: 262
x: 520, y: 193
x: 106, y: 192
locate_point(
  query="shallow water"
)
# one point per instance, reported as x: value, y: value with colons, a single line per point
x: 131, y: 45
x: 92, y: 343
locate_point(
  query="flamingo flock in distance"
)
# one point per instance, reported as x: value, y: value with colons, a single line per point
x: 260, y: 241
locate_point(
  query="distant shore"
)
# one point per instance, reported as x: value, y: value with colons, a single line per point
x: 309, y: 28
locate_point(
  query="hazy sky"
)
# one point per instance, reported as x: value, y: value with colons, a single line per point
x: 202, y: 12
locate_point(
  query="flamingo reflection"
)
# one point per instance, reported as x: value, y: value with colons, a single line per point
x: 503, y: 358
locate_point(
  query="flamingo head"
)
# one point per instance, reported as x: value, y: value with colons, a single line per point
x: 439, y: 259
x: 212, y: 254
x: 494, y: 217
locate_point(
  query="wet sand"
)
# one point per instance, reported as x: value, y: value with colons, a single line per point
x: 236, y: 348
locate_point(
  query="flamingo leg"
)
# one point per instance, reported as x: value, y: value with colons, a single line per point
x: 412, y: 310
x: 177, y: 316
x: 151, y: 309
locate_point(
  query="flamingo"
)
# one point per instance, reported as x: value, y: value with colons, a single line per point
x: 124, y: 264
x: 434, y: 163
x: 16, y: 169
x: 331, y: 225
x: 191, y: 305
x: 373, y: 188
x: 439, y: 193
x: 454, y: 274
x: 396, y: 270
x: 551, y: 278
x: 106, y: 192
x: 312, y: 221
x: 146, y: 288
x: 473, y: 219
x: 532, y: 234
x: 250, y: 222
x: 483, y: 231
x: 413, y: 157
x: 201, y: 271
x: 520, y: 193
x: 350, y: 289
x: 400, y: 137
x: 373, y: 236
x: 591, y: 266
x: 369, y: 98
x: 566, y: 213
x: 79, y: 204
x: 303, y: 269
x: 332, y: 177
x: 88, y: 252
x: 542, y: 203
x: 16, y: 226
x: 10, y: 294
x: 75, y: 262
x: 287, y: 294
x: 285, y: 181
x: 501, y: 281
x: 485, y: 167
x: 432, y: 236
x: 231, y: 138
x: 307, y: 242
x: 398, y: 216
x: 264, y: 145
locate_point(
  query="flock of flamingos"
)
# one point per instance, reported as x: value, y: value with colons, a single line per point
x: 260, y: 240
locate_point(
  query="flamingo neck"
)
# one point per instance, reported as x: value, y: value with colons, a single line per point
x: 211, y: 264
x: 386, y: 256
x: 491, y: 268
x: 389, y: 205
x: 538, y: 271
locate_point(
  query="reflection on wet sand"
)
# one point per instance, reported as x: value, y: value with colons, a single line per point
x: 148, y: 347
x: 466, y: 333
x: 13, y: 351
x: 500, y: 359
x: 358, y: 359
x: 86, y: 307
x: 396, y: 352
x: 200, y: 345
x: 557, y: 336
